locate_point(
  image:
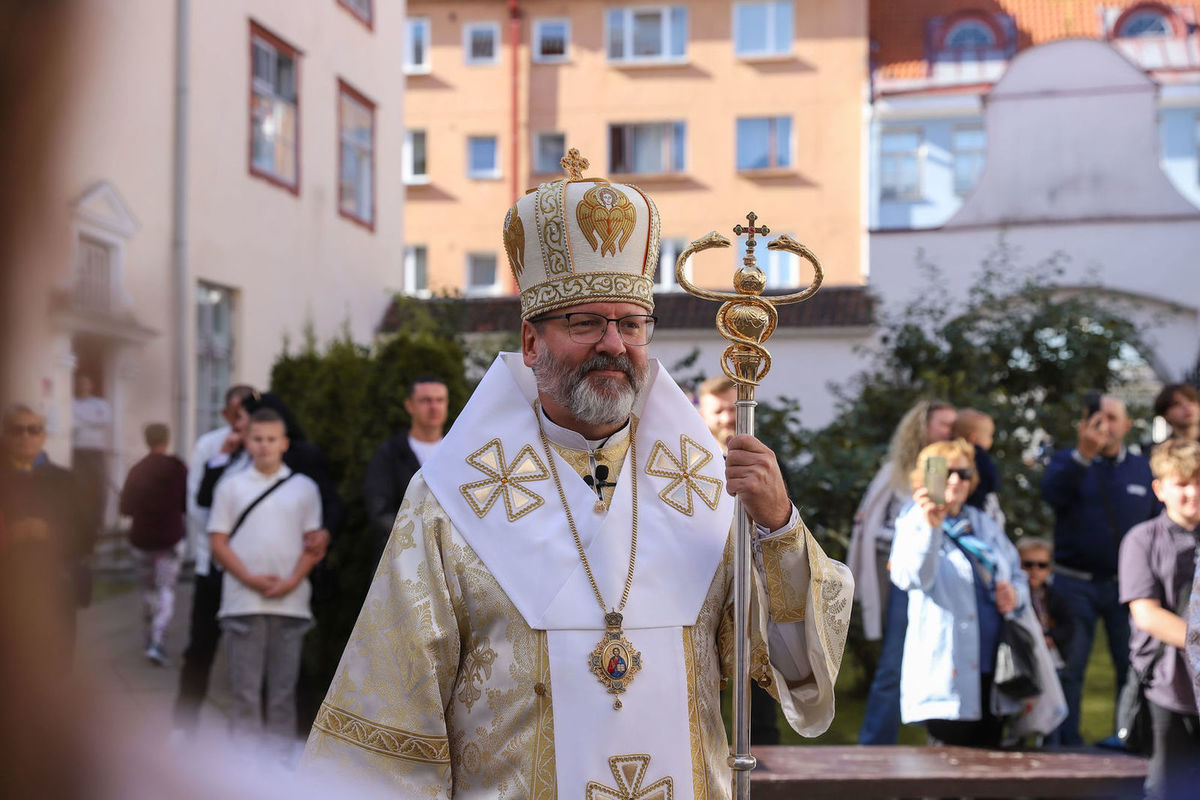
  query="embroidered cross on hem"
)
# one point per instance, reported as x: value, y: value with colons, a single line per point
x: 628, y: 773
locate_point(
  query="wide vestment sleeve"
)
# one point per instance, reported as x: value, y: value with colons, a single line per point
x: 385, y: 714
x: 797, y: 645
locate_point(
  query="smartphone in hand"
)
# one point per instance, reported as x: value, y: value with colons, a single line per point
x: 935, y: 479
x: 1091, y: 404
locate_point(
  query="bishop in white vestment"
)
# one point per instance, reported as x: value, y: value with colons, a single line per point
x: 552, y: 616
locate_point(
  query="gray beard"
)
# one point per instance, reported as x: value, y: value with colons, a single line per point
x: 574, y: 390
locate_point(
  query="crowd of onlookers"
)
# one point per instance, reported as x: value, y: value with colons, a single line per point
x: 940, y: 582
x: 938, y: 579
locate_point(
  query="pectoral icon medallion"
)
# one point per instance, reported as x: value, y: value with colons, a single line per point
x: 614, y: 661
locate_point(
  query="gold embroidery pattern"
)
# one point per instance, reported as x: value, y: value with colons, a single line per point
x: 514, y: 241
x: 544, y: 783
x: 654, y: 242
x: 685, y: 475
x: 505, y: 480
x: 628, y: 773
x: 381, y: 739
x: 832, y: 597
x: 569, y: 290
x: 402, y: 529
x: 476, y: 668
x: 699, y: 784
x: 787, y: 603
x: 607, y: 218
x: 549, y: 218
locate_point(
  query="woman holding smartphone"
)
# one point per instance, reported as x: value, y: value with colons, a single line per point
x: 962, y: 575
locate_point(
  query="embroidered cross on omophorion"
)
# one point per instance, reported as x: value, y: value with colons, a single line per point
x: 504, y: 480
x: 685, y: 476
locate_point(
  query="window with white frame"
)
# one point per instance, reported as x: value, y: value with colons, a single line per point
x: 664, y: 271
x: 900, y: 165
x: 764, y: 143
x: 548, y: 152
x: 482, y: 277
x: 969, y: 144
x: 970, y: 34
x: 483, y: 157
x: 781, y: 268
x: 1145, y: 22
x: 481, y: 43
x: 356, y: 171
x: 647, y: 34
x: 214, y: 352
x: 762, y: 29
x: 415, y: 166
x: 648, y: 148
x: 274, y: 109
x: 417, y: 36
x: 551, y: 40
x: 416, y: 270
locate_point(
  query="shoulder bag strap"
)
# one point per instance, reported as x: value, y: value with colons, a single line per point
x: 246, y: 511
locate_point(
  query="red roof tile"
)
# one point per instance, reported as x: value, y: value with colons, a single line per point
x: 898, y: 27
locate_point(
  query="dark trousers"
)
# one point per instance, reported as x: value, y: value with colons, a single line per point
x: 984, y: 732
x: 1089, y: 601
x: 204, y: 635
x: 1174, y: 769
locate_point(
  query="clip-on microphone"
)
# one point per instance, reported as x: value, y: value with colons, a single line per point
x: 600, y: 481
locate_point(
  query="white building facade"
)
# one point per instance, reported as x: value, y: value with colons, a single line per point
x: 228, y: 178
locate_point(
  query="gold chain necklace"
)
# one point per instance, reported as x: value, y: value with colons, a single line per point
x: 614, y: 661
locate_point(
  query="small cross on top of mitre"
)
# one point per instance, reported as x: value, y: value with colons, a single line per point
x: 574, y: 164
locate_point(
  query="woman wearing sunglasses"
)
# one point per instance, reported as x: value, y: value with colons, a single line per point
x: 962, y: 575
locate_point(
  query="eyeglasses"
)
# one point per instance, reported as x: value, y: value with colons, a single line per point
x: 587, y: 328
x: 14, y: 430
x: 963, y: 473
x: 1038, y: 564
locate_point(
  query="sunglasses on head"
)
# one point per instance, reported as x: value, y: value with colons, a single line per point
x: 1038, y: 564
x: 963, y: 473
x: 32, y: 429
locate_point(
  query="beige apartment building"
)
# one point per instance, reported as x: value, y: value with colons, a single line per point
x: 181, y: 243
x: 716, y: 108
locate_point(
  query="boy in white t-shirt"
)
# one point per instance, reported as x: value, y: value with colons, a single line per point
x: 264, y: 605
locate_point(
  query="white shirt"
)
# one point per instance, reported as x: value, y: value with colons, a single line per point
x: 422, y: 450
x: 206, y: 449
x: 91, y: 424
x: 270, y: 540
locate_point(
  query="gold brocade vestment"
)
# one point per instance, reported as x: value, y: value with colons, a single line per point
x: 445, y: 690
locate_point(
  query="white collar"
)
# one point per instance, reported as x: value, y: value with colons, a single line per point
x: 565, y: 437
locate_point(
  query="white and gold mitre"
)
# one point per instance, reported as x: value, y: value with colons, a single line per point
x: 582, y: 240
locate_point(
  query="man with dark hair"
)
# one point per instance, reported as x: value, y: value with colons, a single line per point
x: 1179, y: 405
x: 398, y: 459
x: 1098, y: 490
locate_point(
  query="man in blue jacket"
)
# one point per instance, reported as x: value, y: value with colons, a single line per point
x: 1098, y: 491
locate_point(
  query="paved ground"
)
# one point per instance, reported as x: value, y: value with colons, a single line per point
x: 110, y: 648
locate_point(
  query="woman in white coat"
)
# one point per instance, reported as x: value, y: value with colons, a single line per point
x: 962, y: 575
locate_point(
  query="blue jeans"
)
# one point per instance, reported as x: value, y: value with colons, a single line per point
x: 881, y: 720
x: 1087, y: 601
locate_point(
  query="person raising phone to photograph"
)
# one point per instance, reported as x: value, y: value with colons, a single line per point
x: 1098, y: 490
x: 962, y: 575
